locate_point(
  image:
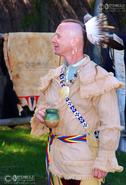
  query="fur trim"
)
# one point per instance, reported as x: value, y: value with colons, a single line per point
x: 70, y: 176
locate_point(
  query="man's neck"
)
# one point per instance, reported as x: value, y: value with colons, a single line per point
x: 72, y: 59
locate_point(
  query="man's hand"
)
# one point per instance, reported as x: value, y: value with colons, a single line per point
x: 40, y: 113
x: 99, y: 174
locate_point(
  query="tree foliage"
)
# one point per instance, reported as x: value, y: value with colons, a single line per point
x: 38, y: 15
x: 45, y: 15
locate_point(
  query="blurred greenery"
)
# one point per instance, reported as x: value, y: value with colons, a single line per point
x: 23, y: 154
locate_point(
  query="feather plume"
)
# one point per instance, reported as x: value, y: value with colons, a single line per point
x: 98, y: 31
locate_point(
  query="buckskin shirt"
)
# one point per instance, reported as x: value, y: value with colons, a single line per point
x: 93, y: 93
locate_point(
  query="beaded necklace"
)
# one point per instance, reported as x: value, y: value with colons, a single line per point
x: 65, y: 94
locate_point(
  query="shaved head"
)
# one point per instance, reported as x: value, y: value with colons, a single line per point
x: 68, y: 39
x: 74, y: 29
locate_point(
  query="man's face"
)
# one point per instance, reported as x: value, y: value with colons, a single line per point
x: 62, y: 40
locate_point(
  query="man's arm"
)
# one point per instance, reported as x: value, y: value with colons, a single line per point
x: 38, y: 127
x: 108, y: 112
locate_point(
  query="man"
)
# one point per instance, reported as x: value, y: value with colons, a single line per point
x: 85, y: 96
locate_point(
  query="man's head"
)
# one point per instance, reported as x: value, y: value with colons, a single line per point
x: 68, y: 38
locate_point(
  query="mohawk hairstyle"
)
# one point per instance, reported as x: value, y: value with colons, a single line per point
x: 75, y: 21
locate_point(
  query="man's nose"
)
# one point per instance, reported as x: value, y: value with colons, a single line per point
x: 54, y: 39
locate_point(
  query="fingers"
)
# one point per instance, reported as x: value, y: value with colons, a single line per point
x: 40, y: 113
x: 39, y: 117
x: 99, y: 174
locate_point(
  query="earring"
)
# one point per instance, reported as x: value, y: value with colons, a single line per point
x: 74, y: 51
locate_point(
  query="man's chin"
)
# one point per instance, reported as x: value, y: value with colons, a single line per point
x: 57, y: 53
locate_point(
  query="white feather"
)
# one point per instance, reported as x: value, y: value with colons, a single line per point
x: 93, y: 30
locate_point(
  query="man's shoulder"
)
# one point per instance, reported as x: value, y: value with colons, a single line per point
x: 56, y: 70
x: 95, y: 80
x: 92, y: 71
